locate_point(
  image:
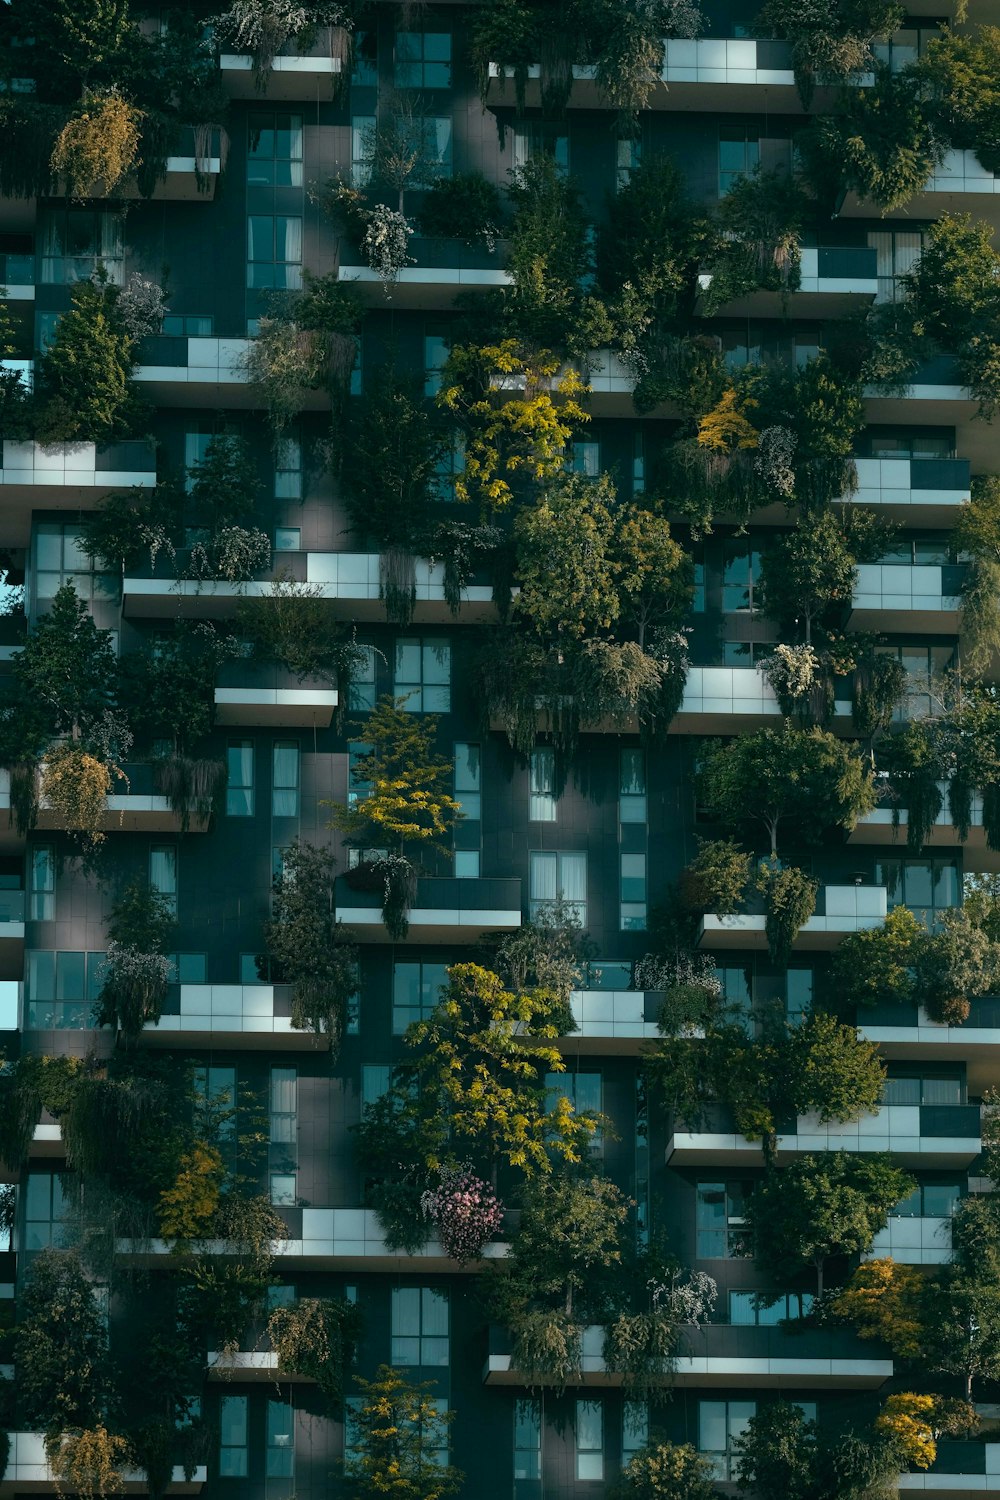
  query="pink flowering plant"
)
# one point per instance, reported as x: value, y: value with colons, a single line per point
x: 465, y: 1211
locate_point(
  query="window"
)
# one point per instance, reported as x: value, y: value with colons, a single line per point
x: 274, y: 251
x: 468, y: 781
x: 357, y: 787
x: 585, y: 458
x: 542, y: 796
x: 239, y: 786
x: 918, y: 1090
x: 590, y: 1440
x: 628, y: 156
x: 720, y: 1221
x: 374, y: 1083
x: 798, y: 994
x: 468, y: 832
x: 61, y: 988
x: 555, y: 878
x: 287, y: 539
x: 896, y: 254
x: 196, y: 446
x: 449, y: 466
x: 188, y: 325
x: 435, y: 159
x: 740, y: 574
x: 44, y: 1211
x: 584, y: 1093
x: 930, y: 1200
x: 365, y: 71
x: 635, y: 1429
x: 419, y: 1326
x: 285, y: 779
x: 527, y: 1439
x: 42, y: 905
x: 253, y: 968
x: 76, y: 240
x: 607, y: 975
x: 632, y: 905
x: 735, y: 994
x: 422, y: 675
x: 632, y: 786
x: 163, y: 872
x: 274, y: 150
x: 284, y: 1105
x: 739, y: 154
x: 279, y: 1296
x: 435, y: 359
x: 364, y: 129
x: 59, y: 559
x: 423, y: 60
x: 638, y: 463
x: 188, y: 968
x: 720, y: 1423
x: 698, y: 601
x: 907, y: 442
x: 925, y: 665
x: 533, y: 138
x: 416, y: 990
x: 280, y: 1460
x: 926, y: 886
x: 361, y: 690
x: 233, y: 1437
x: 288, y: 469
x: 743, y: 1311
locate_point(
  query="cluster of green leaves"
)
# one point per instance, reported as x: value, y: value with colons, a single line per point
x: 902, y: 963
x: 306, y: 944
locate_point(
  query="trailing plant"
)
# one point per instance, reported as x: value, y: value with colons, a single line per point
x: 194, y: 788
x: 170, y: 686
x: 87, y: 1463
x: 548, y: 953
x: 793, y: 674
x: 97, y: 148
x: 128, y: 525
x: 283, y: 363
x: 74, y: 788
x: 464, y: 1210
x: 233, y: 554
x: 462, y: 548
x: 642, y: 1345
x: 789, y: 901
x: 761, y: 218
x: 137, y: 969
x: 61, y: 1346
x: 306, y: 943
x: 392, y: 452
x: 716, y: 879
x: 264, y: 27
x: 316, y: 1339
x: 831, y: 41
x: 916, y: 769
x: 188, y: 1208
x: 293, y: 624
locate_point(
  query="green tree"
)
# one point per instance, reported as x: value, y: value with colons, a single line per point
x: 978, y: 534
x: 821, y: 1206
x: 480, y: 1065
x: 880, y: 143
x: 405, y: 800
x: 397, y: 1434
x: 65, y: 678
x: 549, y: 251
x: 875, y: 966
x: 955, y: 964
x: 666, y: 1471
x: 808, y: 571
x: 61, y: 1346
x: 394, y: 447
x: 224, y: 485
x: 776, y: 1455
x: 306, y: 943
x: 961, y: 1325
x: 82, y: 379
x: 963, y: 73
x: 716, y: 879
x: 565, y: 559
x: 655, y: 574
x: 775, y: 776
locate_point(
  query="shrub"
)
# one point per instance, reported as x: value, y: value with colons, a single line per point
x: 465, y: 207
x: 789, y: 902
x: 316, y: 1339
x: 717, y: 877
x: 306, y: 943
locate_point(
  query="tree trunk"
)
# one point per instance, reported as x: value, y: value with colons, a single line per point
x: 820, y: 1261
x: 772, y: 825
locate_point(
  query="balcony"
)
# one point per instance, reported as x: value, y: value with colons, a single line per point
x: 959, y: 1471
x: 17, y: 277
x: 913, y: 1241
x: 136, y: 809
x: 711, y: 73
x: 193, y: 168
x: 916, y: 491
x: 906, y: 1032
x: 242, y: 1365
x: 66, y: 477
x: 351, y: 581
x: 311, y: 74
x: 342, y: 1239
x: 958, y: 185
x: 832, y: 280
x: 178, y: 371
x: 909, y: 597
x: 28, y: 1472
x: 244, y: 1017
x: 723, y: 1354
x: 11, y: 935
x: 446, y: 910
x: 442, y: 269
x: 935, y: 392
x: 263, y: 697
x: 612, y: 1021
x: 840, y: 909
x: 880, y: 827
x: 920, y: 1135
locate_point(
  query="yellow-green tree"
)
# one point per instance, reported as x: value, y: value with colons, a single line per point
x: 395, y: 1439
